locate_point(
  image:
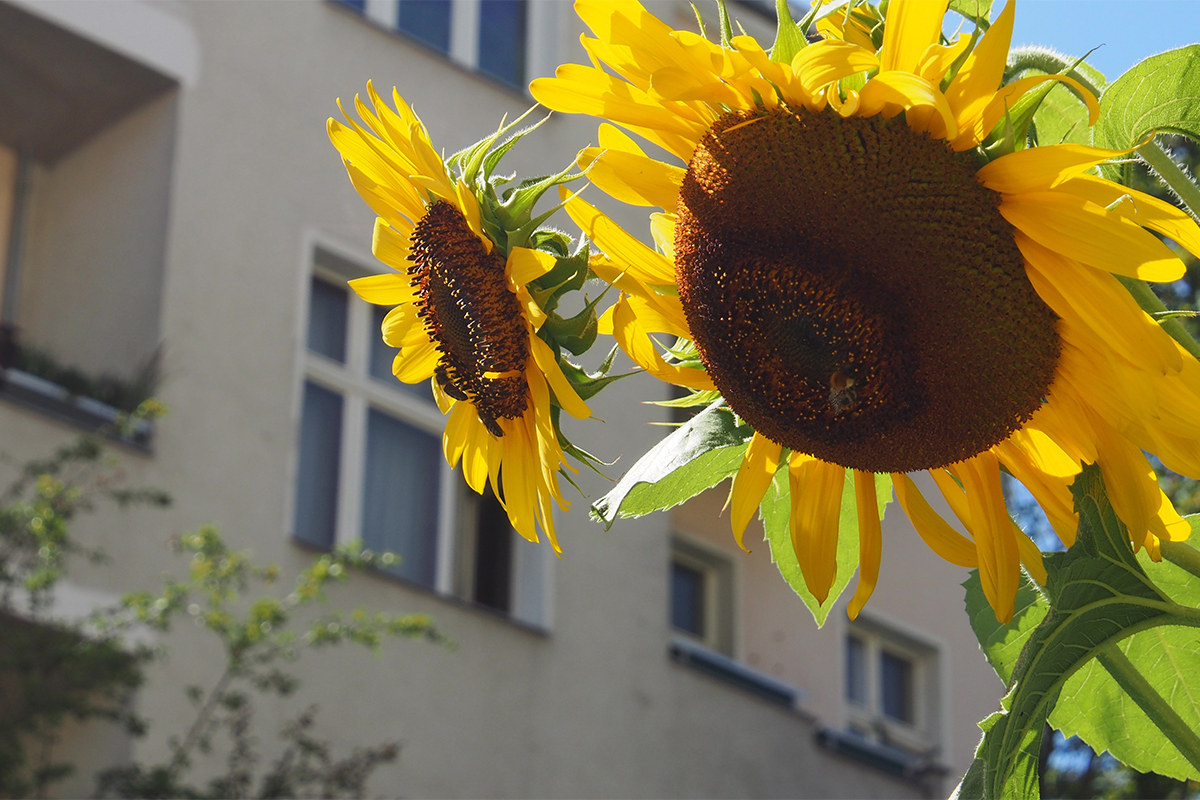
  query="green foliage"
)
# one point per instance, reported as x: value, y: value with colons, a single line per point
x: 1160, y: 94
x: 1099, y: 595
x: 776, y: 511
x: 258, y: 636
x: 696, y: 456
x: 123, y: 394
x: 50, y: 673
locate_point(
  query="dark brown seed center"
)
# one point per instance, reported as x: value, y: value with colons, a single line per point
x: 471, y: 315
x: 855, y: 293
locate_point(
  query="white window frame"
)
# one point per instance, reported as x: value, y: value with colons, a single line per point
x: 720, y: 613
x: 546, y: 24
x: 922, y: 735
x: 532, y: 567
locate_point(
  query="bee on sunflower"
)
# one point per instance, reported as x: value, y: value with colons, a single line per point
x: 877, y: 275
x: 475, y: 286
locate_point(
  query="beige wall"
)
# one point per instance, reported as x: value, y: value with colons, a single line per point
x: 91, y: 273
x: 594, y: 708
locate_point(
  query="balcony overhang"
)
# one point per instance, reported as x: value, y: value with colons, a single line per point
x: 59, y: 88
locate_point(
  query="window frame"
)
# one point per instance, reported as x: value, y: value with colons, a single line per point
x: 719, y: 612
x: 544, y: 23
x: 927, y: 685
x: 532, y: 565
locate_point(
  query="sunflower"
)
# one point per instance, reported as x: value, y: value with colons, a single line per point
x: 463, y: 317
x: 878, y: 276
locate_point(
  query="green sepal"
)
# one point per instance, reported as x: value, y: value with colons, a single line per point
x: 576, y: 334
x: 978, y: 11
x: 588, y: 385
x: 569, y: 274
x: 1012, y: 132
x: 698, y: 397
x: 577, y: 453
x: 789, y: 36
x: 726, y: 25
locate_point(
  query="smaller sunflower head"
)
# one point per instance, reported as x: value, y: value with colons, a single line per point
x: 475, y: 288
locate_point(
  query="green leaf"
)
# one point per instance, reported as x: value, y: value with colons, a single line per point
x: 789, y: 39
x: 776, y: 512
x: 1160, y: 93
x: 973, y: 10
x: 1100, y: 595
x: 695, y: 457
x: 1002, y: 644
x: 1062, y: 118
x: 1104, y: 716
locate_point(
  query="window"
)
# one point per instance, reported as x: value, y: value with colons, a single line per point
x: 491, y: 36
x: 891, y: 686
x: 370, y: 465
x: 701, y: 595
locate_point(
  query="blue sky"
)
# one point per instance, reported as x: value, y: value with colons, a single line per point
x: 1130, y: 30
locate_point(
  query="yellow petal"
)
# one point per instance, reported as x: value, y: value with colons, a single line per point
x: 935, y: 531
x: 1041, y: 168
x: 391, y: 246
x: 938, y: 59
x: 474, y: 454
x: 641, y: 262
x: 633, y: 179
x: 983, y: 70
x: 533, y: 311
x: 911, y: 26
x: 1139, y: 208
x: 753, y: 477
x: 1087, y: 232
x: 564, y: 392
x: 816, y: 488
x: 999, y: 559
x: 403, y: 327
x: 1096, y: 301
x: 977, y: 119
x: 662, y: 228
x: 444, y: 401
x: 927, y: 106
x: 384, y: 290
x: 416, y: 363
x: 526, y: 265
x: 822, y: 63
x: 638, y: 345
x: 454, y: 437
x: 1031, y: 556
x: 870, y: 541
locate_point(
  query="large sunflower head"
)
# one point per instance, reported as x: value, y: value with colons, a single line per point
x: 475, y: 284
x: 878, y: 274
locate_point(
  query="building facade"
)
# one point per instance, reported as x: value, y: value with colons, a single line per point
x: 170, y: 204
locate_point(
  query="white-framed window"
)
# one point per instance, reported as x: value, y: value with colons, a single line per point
x: 512, y: 41
x: 369, y: 464
x: 892, y: 686
x: 701, y: 595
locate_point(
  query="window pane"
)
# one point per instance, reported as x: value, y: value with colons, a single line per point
x: 400, y: 495
x: 502, y: 40
x: 896, y: 683
x: 320, y: 454
x: 357, y: 5
x: 327, y: 320
x: 493, y: 554
x: 687, y: 599
x: 427, y: 20
x: 856, y: 670
x: 382, y: 357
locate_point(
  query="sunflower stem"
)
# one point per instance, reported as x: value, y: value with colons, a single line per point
x: 1173, y: 175
x: 1182, y: 555
x: 1150, y: 701
x: 1148, y: 300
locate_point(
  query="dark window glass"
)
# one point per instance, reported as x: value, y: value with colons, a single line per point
x: 896, y: 683
x: 687, y: 599
x: 856, y: 670
x: 382, y: 357
x: 358, y: 5
x: 400, y: 496
x: 327, y: 320
x: 427, y: 20
x: 493, y: 554
x: 320, y: 454
x: 502, y: 40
